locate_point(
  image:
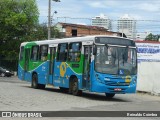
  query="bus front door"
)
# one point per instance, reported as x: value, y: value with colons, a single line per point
x: 86, y: 68
x: 26, y: 64
x: 51, y: 64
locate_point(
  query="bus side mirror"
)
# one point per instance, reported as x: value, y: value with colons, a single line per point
x: 106, y: 46
x: 94, y: 50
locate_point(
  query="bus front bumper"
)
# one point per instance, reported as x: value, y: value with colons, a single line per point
x: 102, y: 88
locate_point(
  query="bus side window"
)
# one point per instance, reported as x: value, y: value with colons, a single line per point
x: 34, y: 54
x: 43, y: 52
x: 74, y: 52
x: 62, y: 52
x: 21, y: 53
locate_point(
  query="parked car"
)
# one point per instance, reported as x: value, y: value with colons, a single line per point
x: 5, y: 72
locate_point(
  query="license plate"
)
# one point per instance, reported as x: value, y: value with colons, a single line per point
x: 117, y: 89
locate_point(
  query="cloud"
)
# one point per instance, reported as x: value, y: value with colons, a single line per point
x: 101, y: 4
x: 149, y: 7
x: 97, y: 4
x: 114, y: 9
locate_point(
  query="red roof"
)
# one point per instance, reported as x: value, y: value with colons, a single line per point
x: 83, y: 26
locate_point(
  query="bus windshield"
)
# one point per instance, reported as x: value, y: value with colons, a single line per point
x: 116, y: 60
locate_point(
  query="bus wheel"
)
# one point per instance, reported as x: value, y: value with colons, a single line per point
x: 109, y: 95
x: 75, y: 90
x: 35, y: 82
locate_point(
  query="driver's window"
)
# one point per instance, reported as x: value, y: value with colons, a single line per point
x: 103, y: 55
x: 99, y: 55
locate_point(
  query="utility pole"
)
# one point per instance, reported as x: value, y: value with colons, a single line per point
x: 49, y: 18
x: 122, y: 29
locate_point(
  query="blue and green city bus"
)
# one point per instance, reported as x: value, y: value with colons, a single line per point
x: 103, y: 64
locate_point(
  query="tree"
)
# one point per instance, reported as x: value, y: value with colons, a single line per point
x: 152, y: 37
x: 149, y: 37
x: 41, y: 32
x: 18, y: 19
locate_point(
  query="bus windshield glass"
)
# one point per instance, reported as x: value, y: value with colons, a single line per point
x: 116, y: 60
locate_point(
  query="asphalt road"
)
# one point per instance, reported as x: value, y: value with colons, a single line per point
x: 16, y: 95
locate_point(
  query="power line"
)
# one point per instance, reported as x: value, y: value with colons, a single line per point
x: 144, y: 20
x: 145, y: 24
x: 147, y: 20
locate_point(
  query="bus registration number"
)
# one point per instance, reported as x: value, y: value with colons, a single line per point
x: 117, y: 89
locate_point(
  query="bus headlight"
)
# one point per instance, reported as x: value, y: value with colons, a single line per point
x: 134, y: 80
x: 97, y: 78
x: 107, y: 79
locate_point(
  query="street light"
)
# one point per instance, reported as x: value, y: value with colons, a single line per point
x: 49, y: 18
x: 55, y: 12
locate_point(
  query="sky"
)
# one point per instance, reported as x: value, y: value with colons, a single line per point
x: 146, y: 12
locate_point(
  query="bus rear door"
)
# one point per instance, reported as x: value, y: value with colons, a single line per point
x: 26, y: 64
x: 86, y: 82
x: 51, y: 64
x: 52, y: 49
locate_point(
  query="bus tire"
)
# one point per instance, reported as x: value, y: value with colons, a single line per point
x: 34, y: 81
x: 75, y: 90
x: 35, y: 84
x: 109, y: 95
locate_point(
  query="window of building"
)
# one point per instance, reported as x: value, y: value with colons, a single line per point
x: 43, y: 52
x: 62, y: 52
x: 34, y: 54
x: 74, y: 52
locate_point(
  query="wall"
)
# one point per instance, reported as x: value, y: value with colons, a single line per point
x: 149, y: 77
x: 148, y: 67
x: 85, y: 31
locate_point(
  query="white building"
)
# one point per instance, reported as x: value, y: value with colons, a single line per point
x: 142, y: 36
x: 127, y: 25
x: 102, y: 21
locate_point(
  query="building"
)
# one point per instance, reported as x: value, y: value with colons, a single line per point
x: 127, y: 25
x: 102, y: 21
x: 142, y: 36
x: 73, y: 30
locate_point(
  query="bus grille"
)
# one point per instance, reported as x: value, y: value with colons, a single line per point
x: 113, y: 83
